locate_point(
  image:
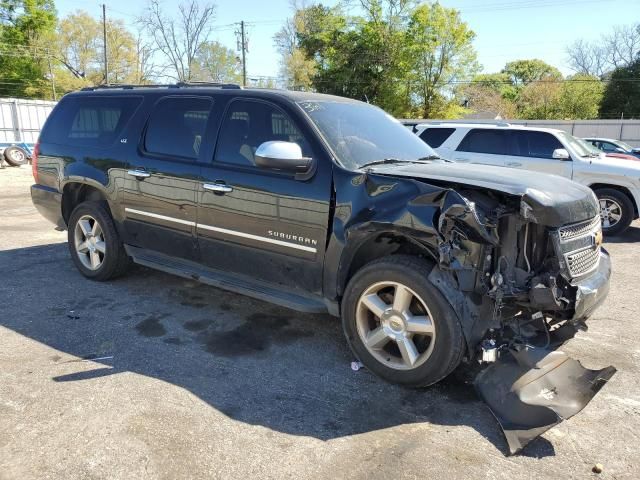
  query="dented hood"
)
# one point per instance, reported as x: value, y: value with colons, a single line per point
x: 554, y: 200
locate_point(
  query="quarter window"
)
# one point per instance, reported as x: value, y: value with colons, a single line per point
x: 177, y: 125
x: 435, y: 137
x: 89, y: 121
x: 247, y: 124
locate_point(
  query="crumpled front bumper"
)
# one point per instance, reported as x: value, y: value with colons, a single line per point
x: 592, y: 291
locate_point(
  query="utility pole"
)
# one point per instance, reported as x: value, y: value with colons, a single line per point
x: 53, y: 80
x: 104, y: 42
x: 242, y: 45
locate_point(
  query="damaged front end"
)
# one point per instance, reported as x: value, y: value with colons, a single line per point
x: 523, y: 280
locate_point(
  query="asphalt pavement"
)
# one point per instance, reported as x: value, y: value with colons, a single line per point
x: 154, y: 376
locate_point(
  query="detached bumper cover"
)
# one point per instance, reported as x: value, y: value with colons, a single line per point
x: 530, y: 390
x: 592, y: 291
x: 48, y: 202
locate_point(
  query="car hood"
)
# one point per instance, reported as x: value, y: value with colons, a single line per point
x: 554, y: 200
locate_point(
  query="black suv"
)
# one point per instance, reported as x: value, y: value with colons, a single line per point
x: 323, y: 204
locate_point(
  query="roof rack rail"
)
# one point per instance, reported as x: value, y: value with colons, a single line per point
x: 127, y: 86
x: 498, y: 123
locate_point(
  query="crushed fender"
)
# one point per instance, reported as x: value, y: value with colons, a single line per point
x: 529, y: 390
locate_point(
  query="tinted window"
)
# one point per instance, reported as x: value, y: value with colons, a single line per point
x: 541, y: 144
x: 176, y: 126
x: 478, y: 140
x: 434, y: 137
x: 248, y: 124
x: 89, y: 121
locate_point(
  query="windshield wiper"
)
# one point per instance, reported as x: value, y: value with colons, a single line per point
x: 384, y: 161
x: 430, y: 157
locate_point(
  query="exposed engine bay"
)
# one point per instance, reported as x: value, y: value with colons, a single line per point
x: 525, y: 283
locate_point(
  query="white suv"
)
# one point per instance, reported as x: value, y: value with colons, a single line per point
x: 616, y: 182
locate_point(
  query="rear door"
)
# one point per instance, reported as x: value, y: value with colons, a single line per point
x: 162, y: 178
x: 484, y: 145
x: 261, y: 223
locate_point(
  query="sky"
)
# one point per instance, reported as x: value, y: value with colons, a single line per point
x: 505, y: 30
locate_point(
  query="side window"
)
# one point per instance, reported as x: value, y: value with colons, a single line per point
x: 89, y: 121
x: 542, y: 144
x: 486, y: 140
x: 435, y: 137
x: 608, y: 147
x: 176, y: 126
x: 247, y: 124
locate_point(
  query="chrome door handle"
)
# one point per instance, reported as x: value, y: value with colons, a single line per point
x: 513, y: 164
x: 139, y: 173
x: 218, y: 187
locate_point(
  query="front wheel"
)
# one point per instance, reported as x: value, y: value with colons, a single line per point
x: 94, y: 243
x: 616, y: 211
x: 398, y: 325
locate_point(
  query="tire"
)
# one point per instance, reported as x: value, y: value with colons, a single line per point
x: 16, y: 156
x: 102, y: 243
x: 617, y: 203
x: 439, y: 353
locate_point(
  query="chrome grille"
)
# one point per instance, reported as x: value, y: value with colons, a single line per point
x: 583, y: 261
x: 577, y: 230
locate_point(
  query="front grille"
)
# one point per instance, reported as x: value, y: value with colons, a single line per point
x: 583, y: 261
x: 577, y: 230
x: 578, y: 247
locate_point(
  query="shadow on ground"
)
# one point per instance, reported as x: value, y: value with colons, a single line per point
x: 252, y: 361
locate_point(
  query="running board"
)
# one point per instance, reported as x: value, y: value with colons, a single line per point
x: 226, y: 281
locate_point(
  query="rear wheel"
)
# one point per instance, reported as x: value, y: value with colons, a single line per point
x: 616, y: 211
x: 94, y: 243
x: 15, y: 156
x: 398, y: 325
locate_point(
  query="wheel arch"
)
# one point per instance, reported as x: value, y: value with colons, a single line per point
x: 621, y: 189
x: 75, y: 193
x: 376, y: 245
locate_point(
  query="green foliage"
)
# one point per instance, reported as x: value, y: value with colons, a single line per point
x: 26, y: 26
x: 401, y: 58
x: 622, y: 95
x: 580, y: 97
x: 523, y: 72
x: 216, y: 63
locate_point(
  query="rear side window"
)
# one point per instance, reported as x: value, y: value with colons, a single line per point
x: 434, y: 137
x: 478, y: 140
x: 89, y: 121
x: 176, y: 126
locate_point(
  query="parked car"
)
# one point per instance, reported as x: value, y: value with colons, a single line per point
x: 589, y: 146
x: 324, y: 204
x: 609, y: 145
x: 616, y: 182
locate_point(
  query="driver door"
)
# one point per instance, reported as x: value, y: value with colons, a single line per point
x: 257, y: 222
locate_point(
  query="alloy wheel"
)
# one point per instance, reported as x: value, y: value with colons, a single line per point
x: 610, y: 212
x: 395, y: 325
x: 89, y: 242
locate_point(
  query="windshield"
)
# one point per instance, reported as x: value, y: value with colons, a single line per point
x: 577, y: 144
x: 625, y: 146
x: 588, y: 146
x: 360, y: 133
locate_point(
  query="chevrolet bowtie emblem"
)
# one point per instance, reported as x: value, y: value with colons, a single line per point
x: 598, y: 238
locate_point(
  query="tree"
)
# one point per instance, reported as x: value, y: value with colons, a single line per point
x: 482, y: 98
x: 179, y: 39
x: 539, y: 100
x: 617, y: 49
x: 295, y: 67
x: 622, y: 94
x: 26, y: 27
x: 217, y: 63
x: 580, y: 97
x: 441, y: 51
x: 523, y: 72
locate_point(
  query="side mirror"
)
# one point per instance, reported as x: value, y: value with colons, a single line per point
x: 285, y: 156
x: 561, y: 154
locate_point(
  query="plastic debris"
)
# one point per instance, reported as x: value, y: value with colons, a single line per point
x: 355, y: 366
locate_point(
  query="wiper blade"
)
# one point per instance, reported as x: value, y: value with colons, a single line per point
x: 385, y: 161
x: 430, y: 157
